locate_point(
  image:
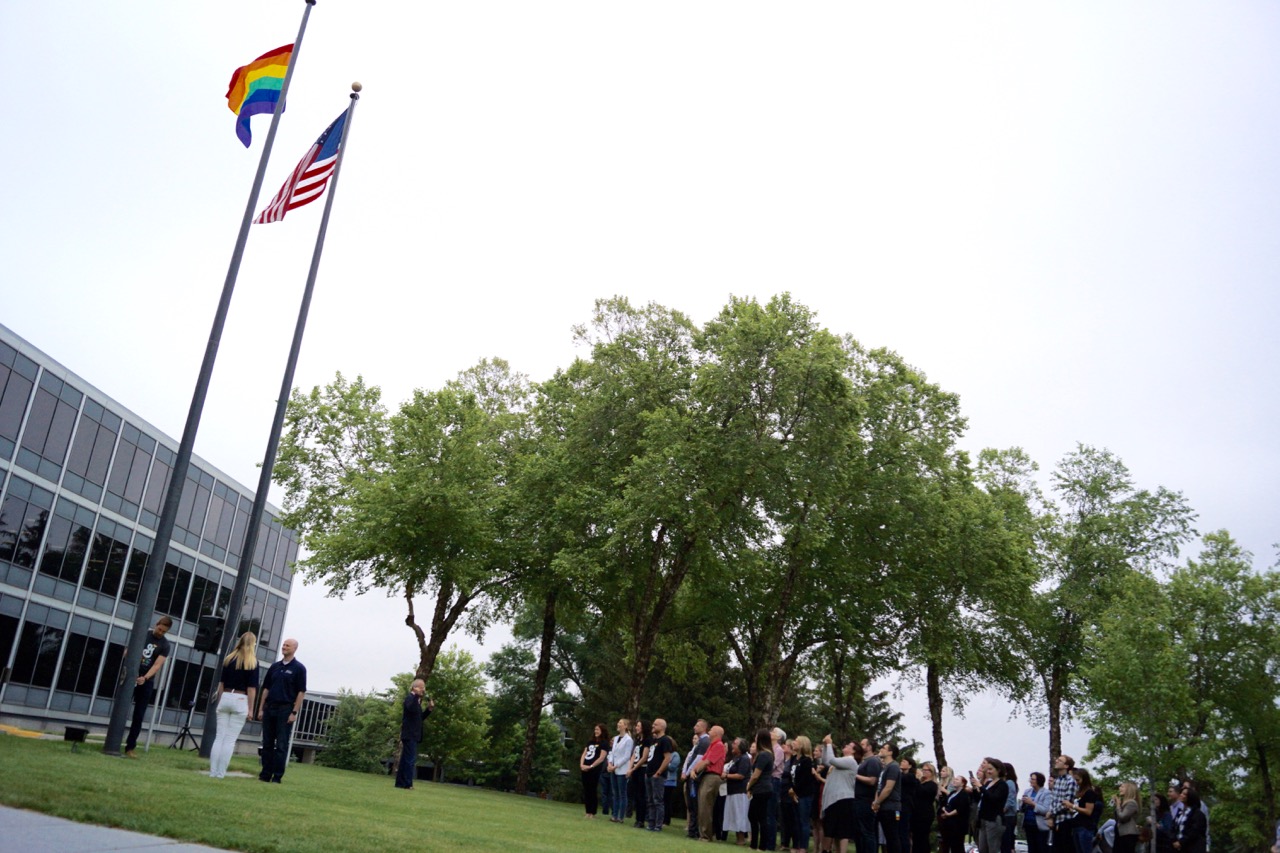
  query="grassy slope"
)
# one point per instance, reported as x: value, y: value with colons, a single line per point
x: 315, y: 809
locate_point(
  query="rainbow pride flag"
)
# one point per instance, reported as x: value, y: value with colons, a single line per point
x: 255, y: 88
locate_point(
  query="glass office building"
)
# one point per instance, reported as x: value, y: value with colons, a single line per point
x: 81, y: 484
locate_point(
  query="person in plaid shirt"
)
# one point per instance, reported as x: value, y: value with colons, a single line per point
x: 1062, y: 787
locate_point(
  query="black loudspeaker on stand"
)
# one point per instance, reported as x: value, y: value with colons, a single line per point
x: 208, y: 641
x: 209, y: 635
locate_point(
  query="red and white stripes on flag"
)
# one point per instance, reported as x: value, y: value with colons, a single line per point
x: 310, y: 177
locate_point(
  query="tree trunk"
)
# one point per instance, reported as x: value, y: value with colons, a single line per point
x: 934, y: 688
x: 443, y: 619
x: 539, y: 693
x: 652, y: 611
x: 1268, y: 790
x: 1054, y: 697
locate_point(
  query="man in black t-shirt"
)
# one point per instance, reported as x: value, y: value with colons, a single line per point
x: 864, y: 793
x: 154, y: 653
x: 655, y: 774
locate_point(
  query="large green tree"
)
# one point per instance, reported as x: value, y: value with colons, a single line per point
x: 1103, y: 531
x: 1203, y: 647
x: 776, y: 390
x: 456, y: 733
x: 411, y: 503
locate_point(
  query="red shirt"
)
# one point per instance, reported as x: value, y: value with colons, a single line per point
x: 715, y: 758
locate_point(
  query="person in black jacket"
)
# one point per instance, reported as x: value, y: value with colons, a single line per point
x: 1193, y: 827
x: 953, y: 816
x: 411, y: 732
x: 925, y: 806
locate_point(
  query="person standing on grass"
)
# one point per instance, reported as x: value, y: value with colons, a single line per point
x: 760, y: 791
x: 279, y: 702
x: 154, y: 654
x: 591, y: 764
x: 654, y: 768
x: 886, y: 802
x: 237, y: 693
x: 708, y: 771
x: 617, y: 766
x: 671, y: 785
x: 637, y: 788
x: 411, y: 732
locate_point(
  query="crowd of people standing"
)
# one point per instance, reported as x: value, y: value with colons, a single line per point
x: 771, y: 792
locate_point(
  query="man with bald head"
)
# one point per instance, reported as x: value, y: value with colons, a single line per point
x: 279, y: 702
x: 656, y: 774
x: 708, y: 773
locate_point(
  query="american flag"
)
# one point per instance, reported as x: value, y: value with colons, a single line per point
x: 309, y: 177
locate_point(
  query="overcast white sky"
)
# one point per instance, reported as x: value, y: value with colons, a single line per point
x: 1066, y: 215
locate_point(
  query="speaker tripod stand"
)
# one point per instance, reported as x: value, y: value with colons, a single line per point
x: 185, y: 732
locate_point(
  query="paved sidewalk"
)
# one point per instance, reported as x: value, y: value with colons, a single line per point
x: 24, y: 830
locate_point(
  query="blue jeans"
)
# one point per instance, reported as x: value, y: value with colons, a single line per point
x: 1083, y: 838
x: 276, y: 729
x: 619, y: 783
x: 408, y: 768
x: 804, y: 814
x: 656, y: 791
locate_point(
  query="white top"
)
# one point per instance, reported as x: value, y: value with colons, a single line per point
x: 620, y: 754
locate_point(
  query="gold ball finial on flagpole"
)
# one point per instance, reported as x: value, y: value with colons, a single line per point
x: 356, y: 87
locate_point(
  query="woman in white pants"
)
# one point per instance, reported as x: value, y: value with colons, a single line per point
x: 237, y: 690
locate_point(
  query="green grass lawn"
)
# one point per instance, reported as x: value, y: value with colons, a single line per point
x: 166, y: 792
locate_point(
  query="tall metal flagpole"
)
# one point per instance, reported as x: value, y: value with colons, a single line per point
x: 150, y: 588
x: 230, y: 634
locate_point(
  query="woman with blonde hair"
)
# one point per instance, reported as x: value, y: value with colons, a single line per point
x: 237, y: 689
x: 1126, y: 806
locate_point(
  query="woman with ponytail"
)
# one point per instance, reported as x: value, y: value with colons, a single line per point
x: 237, y: 690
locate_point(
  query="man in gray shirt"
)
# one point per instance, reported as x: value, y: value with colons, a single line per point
x: 887, y: 803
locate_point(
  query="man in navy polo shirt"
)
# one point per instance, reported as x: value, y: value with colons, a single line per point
x: 280, y: 700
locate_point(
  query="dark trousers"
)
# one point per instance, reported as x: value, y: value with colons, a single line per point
x: 904, y: 833
x: 276, y: 729
x: 770, y: 840
x: 606, y: 790
x: 866, y: 840
x: 639, y: 794
x: 953, y: 839
x: 1062, y: 840
x: 891, y: 822
x: 787, y: 819
x: 691, y: 799
x: 758, y: 814
x: 407, y: 770
x: 1035, y: 838
x: 669, y: 797
x: 717, y: 819
x: 656, y: 801
x: 920, y: 831
x: 142, y: 697
x: 591, y: 789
